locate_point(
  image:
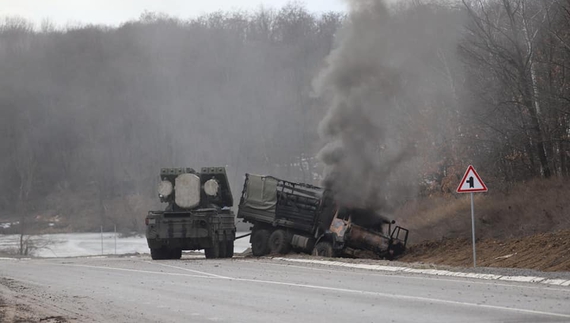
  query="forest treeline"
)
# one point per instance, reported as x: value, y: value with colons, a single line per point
x: 89, y: 114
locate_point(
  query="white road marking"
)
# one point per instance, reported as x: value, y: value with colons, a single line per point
x: 336, y: 289
x: 189, y: 270
x: 551, y: 283
x: 406, y: 297
x: 438, y: 278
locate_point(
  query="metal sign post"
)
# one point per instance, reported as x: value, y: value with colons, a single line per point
x: 473, y: 231
x: 472, y: 183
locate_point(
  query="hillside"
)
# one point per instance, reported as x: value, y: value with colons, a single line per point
x: 543, y: 251
x: 527, y: 226
x: 529, y: 208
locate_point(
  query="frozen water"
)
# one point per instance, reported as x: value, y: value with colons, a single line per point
x: 89, y: 244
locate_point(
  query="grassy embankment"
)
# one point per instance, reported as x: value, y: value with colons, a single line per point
x: 526, y: 227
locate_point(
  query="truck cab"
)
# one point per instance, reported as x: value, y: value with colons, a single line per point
x: 354, y: 229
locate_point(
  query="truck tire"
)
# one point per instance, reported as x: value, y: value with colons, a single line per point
x: 175, y: 253
x: 214, y: 251
x: 259, y: 243
x: 223, y: 247
x: 229, y: 249
x: 323, y: 249
x: 158, y: 253
x: 395, y: 250
x: 279, y: 242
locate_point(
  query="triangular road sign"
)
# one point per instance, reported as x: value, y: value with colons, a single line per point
x: 471, y: 182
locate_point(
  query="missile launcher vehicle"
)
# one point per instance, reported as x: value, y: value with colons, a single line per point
x: 197, y: 215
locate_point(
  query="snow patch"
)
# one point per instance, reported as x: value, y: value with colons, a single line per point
x: 436, y: 272
x: 91, y: 244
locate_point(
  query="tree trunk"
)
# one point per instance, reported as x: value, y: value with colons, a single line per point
x: 537, y: 137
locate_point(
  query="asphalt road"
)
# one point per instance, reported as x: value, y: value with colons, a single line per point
x: 250, y: 290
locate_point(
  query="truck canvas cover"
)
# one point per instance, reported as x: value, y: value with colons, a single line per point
x: 260, y: 193
x: 274, y: 201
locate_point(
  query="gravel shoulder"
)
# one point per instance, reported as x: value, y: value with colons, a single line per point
x: 22, y: 303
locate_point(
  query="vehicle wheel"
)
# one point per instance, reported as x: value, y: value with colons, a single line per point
x: 259, y: 243
x: 223, y: 247
x: 229, y: 248
x: 279, y: 242
x: 323, y: 249
x: 396, y: 250
x: 214, y: 251
x: 157, y: 253
x: 175, y: 253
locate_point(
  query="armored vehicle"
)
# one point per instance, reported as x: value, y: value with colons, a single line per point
x: 197, y: 216
x: 287, y: 215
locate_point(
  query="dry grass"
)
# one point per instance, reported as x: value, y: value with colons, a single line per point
x: 528, y: 208
x: 543, y: 251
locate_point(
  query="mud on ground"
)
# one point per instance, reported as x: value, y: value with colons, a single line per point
x: 544, y: 252
x: 18, y: 306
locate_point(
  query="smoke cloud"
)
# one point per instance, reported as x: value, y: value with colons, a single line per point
x: 361, y: 83
x: 386, y: 67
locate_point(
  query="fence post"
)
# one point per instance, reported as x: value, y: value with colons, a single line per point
x: 101, y: 240
x: 115, y: 239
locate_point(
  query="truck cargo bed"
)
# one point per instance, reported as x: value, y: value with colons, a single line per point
x: 273, y: 201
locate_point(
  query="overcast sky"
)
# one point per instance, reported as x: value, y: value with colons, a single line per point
x: 113, y: 12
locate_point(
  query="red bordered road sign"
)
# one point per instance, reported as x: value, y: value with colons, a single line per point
x: 471, y: 182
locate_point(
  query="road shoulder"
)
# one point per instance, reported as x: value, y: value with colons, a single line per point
x: 560, y: 279
x: 20, y: 303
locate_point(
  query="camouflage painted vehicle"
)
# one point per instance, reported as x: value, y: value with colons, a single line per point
x: 287, y: 215
x: 198, y: 214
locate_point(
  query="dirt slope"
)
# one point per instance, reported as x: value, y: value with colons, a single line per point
x: 526, y: 209
x: 544, y: 251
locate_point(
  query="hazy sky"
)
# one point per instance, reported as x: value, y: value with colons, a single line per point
x: 114, y: 12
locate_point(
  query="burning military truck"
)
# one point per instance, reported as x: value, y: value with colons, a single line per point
x: 197, y: 216
x: 287, y: 215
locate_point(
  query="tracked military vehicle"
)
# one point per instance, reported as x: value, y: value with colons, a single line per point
x: 197, y: 216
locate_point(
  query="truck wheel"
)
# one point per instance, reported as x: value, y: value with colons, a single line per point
x: 223, y: 248
x: 175, y: 253
x: 214, y: 251
x: 259, y: 243
x: 279, y: 242
x: 396, y: 250
x: 157, y: 253
x: 323, y: 249
x: 229, y: 248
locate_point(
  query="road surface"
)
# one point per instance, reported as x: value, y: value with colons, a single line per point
x: 258, y: 290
